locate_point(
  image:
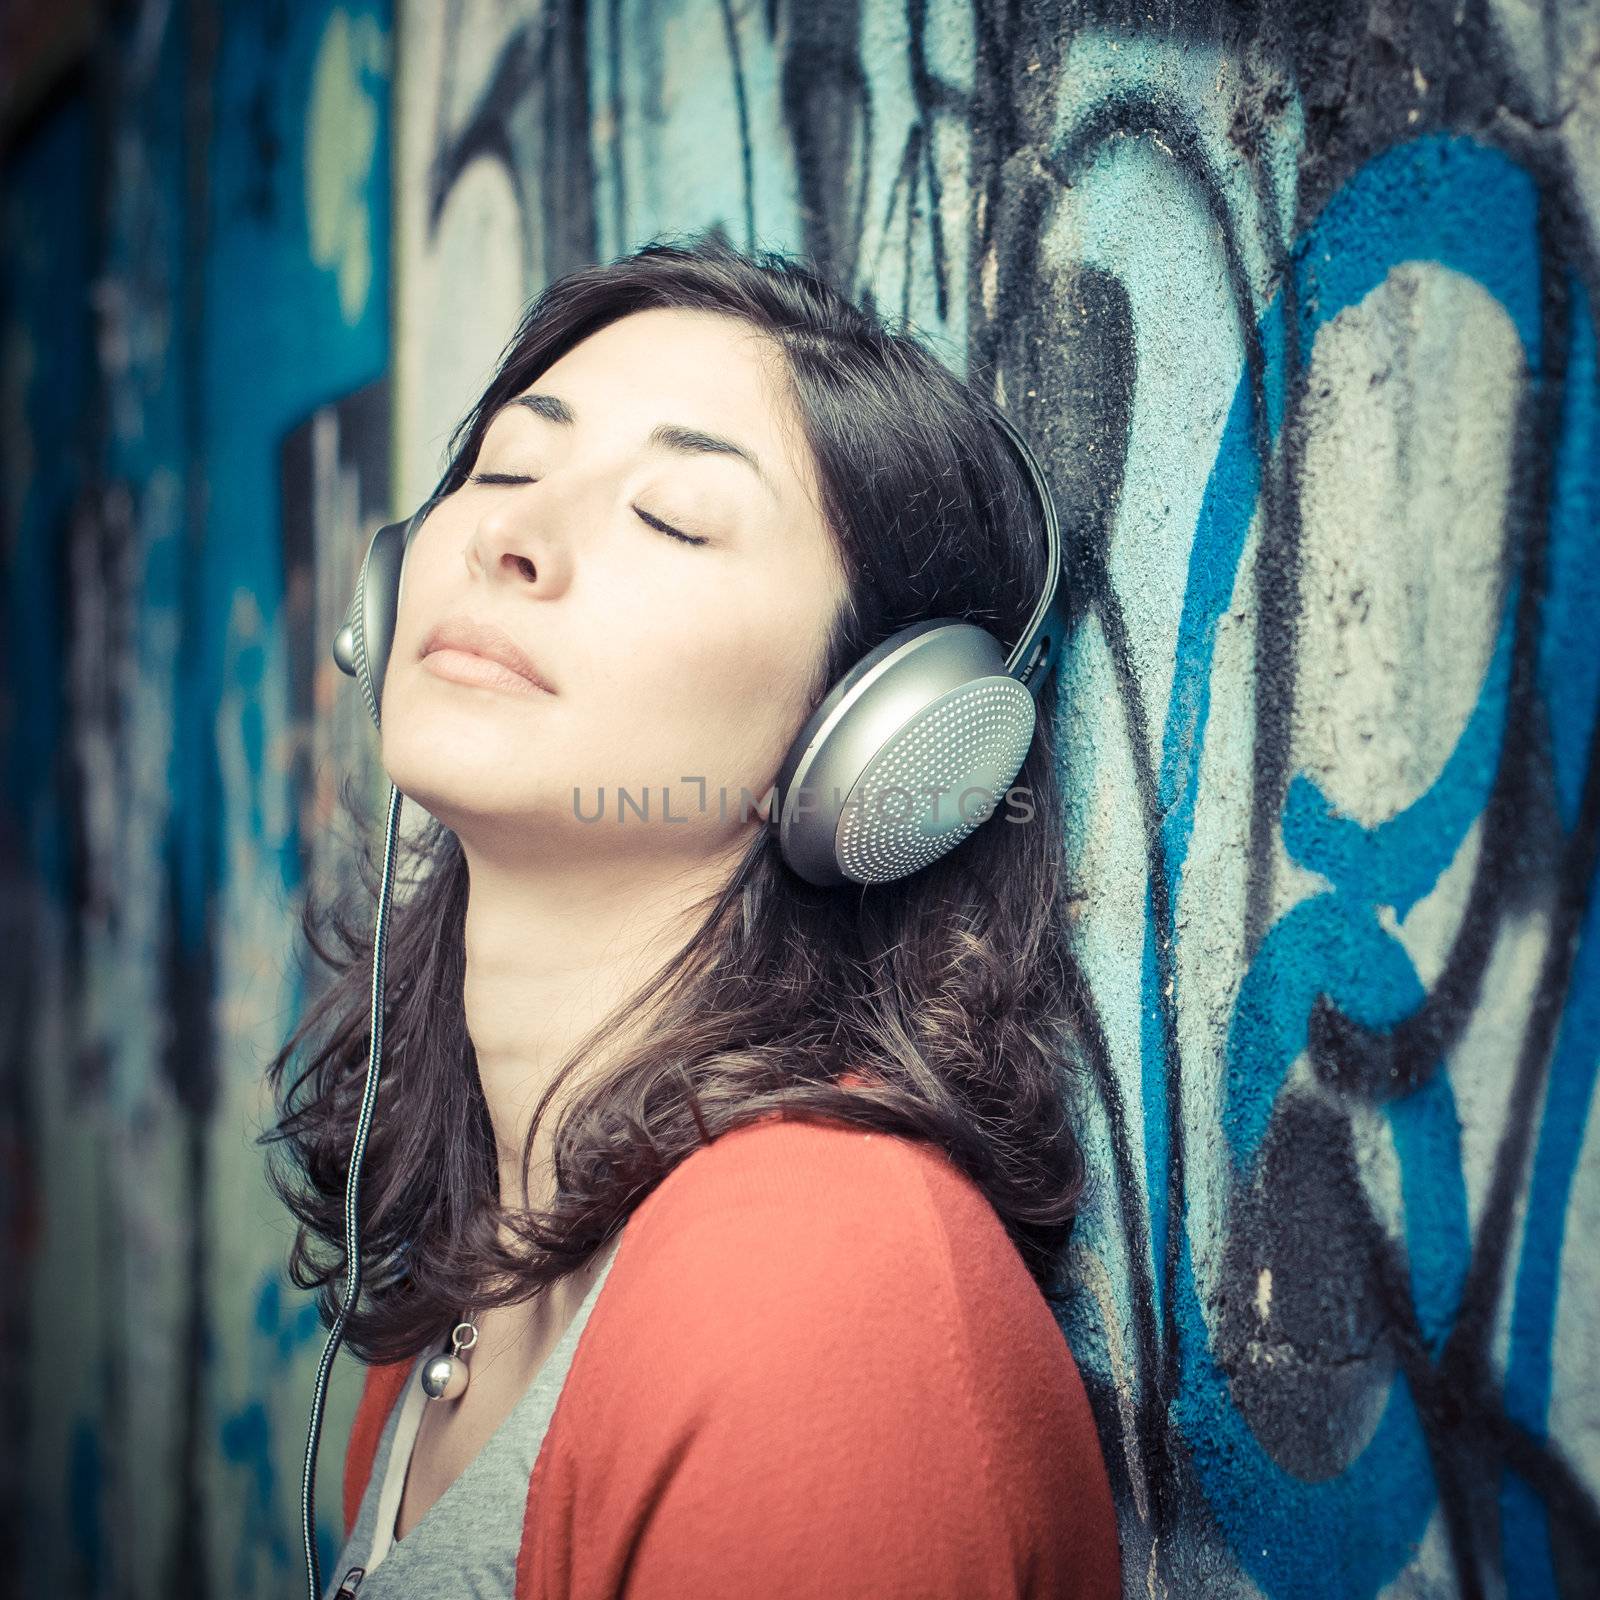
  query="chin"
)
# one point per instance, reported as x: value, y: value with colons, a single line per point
x: 478, y: 789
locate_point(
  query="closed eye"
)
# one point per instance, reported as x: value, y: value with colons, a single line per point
x: 667, y: 528
x: 644, y: 516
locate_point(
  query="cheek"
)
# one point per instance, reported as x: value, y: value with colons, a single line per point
x: 737, y: 683
x: 418, y: 576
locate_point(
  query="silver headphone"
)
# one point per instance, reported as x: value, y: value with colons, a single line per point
x: 907, y: 754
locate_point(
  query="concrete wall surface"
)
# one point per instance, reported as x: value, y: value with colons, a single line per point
x: 1298, y: 306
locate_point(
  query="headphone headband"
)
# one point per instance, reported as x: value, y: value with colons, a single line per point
x: 1047, y: 614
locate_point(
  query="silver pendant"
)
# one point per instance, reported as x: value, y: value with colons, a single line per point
x: 445, y: 1376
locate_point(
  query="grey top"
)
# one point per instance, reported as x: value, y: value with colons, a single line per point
x: 465, y: 1544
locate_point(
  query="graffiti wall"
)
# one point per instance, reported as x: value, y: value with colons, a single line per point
x: 1297, y: 305
x: 195, y: 344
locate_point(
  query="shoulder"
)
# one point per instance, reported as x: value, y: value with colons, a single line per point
x: 863, y: 1223
x: 804, y: 1272
x: 786, y: 1204
x: 849, y: 1304
x: 822, y: 1225
x: 810, y: 1170
x: 807, y: 1174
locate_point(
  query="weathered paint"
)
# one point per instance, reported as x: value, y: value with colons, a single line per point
x: 1298, y: 305
x: 232, y: 290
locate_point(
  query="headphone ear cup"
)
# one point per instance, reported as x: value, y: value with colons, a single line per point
x: 906, y: 755
x: 361, y: 647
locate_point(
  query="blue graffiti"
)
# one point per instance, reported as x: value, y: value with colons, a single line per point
x: 1421, y: 201
x: 1569, y: 678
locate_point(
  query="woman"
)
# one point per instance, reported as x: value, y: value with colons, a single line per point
x: 735, y: 1198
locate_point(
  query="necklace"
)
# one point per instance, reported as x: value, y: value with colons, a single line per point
x: 445, y: 1377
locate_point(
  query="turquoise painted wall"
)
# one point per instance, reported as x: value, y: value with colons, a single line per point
x: 1297, y: 304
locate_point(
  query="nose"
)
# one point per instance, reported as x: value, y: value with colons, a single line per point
x: 511, y: 537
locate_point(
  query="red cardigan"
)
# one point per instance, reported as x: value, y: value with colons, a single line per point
x: 818, y: 1367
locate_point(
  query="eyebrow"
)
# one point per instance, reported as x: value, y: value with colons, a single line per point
x: 664, y: 436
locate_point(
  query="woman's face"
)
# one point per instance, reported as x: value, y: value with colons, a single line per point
x: 672, y: 666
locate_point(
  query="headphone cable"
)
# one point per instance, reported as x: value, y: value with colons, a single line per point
x: 352, y: 1193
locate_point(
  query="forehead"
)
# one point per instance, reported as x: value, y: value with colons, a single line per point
x: 696, y: 381
x: 707, y: 358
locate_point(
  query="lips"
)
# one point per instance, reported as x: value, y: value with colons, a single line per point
x: 484, y: 639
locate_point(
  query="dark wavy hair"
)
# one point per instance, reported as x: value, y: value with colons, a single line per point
x: 950, y: 991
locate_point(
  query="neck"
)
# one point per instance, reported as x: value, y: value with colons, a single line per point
x: 551, y: 949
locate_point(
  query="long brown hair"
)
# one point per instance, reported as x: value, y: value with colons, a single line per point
x: 950, y: 991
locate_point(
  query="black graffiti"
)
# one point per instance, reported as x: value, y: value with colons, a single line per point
x: 1354, y: 1339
